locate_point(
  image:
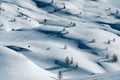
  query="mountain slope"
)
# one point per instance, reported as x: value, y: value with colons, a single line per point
x: 37, y: 36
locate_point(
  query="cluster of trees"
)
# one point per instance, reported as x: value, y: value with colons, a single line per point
x: 73, y: 24
x: 114, y: 57
x: 64, y: 31
x: 109, y: 41
x: 57, y: 9
x: 69, y: 61
x: 116, y: 12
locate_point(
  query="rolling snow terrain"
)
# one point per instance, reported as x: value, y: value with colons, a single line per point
x: 40, y: 38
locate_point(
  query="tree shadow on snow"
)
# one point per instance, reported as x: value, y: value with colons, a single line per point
x: 18, y: 49
x: 61, y: 65
x: 112, y: 25
x: 41, y: 4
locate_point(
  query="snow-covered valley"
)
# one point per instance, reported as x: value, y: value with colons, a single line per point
x: 39, y: 38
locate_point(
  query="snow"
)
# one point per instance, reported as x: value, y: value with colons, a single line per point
x: 32, y: 49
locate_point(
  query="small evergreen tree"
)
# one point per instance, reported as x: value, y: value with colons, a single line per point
x: 107, y: 56
x: 60, y: 76
x: 108, y: 42
x: 113, y: 39
x: 48, y: 48
x: 93, y: 41
x: 80, y: 12
x: 117, y: 11
x: 18, y: 8
x: 106, y: 48
x: 109, y: 8
x: 28, y: 46
x: 45, y: 21
x: 76, y: 66
x: 18, y: 15
x: 13, y: 29
x: 64, y: 7
x: 52, y: 1
x: 65, y: 47
x: 114, y: 58
x: 67, y: 60
x: 73, y: 24
x: 12, y: 20
x: 63, y: 29
x: 71, y: 62
x: 67, y: 32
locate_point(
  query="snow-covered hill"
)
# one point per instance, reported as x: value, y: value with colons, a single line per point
x: 36, y: 36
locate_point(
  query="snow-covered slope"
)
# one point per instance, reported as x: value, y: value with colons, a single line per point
x: 36, y: 36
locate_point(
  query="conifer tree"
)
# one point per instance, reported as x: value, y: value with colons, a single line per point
x: 60, y: 76
x: 67, y: 60
x: 71, y: 62
x: 76, y: 65
x: 114, y: 58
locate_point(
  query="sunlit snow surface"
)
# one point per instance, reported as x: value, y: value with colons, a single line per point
x: 31, y: 50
